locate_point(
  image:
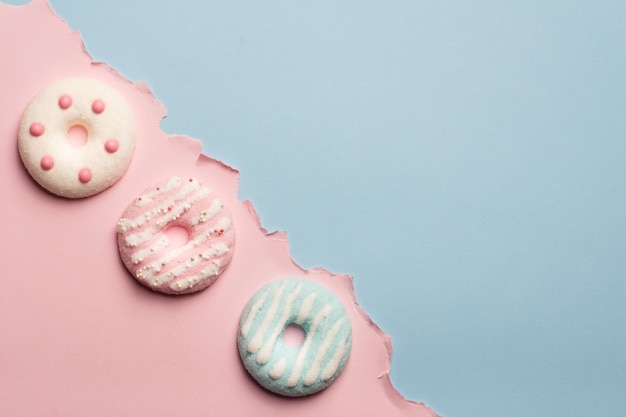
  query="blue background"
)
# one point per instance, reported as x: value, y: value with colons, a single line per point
x: 464, y: 161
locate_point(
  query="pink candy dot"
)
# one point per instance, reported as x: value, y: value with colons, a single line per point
x: 111, y: 145
x: 84, y: 175
x: 36, y: 129
x: 46, y: 163
x: 97, y: 106
x: 65, y: 101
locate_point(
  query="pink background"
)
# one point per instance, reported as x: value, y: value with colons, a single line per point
x: 79, y: 337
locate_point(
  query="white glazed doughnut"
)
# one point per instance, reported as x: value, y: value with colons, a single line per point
x: 76, y: 170
x: 144, y: 245
x: 305, y: 369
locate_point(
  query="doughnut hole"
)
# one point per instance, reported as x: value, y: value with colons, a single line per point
x: 294, y: 335
x: 77, y: 135
x: 177, y: 235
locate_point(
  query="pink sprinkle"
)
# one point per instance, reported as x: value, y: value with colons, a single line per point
x: 46, y: 163
x: 65, y: 101
x: 84, y: 175
x: 36, y: 129
x: 111, y: 145
x: 97, y: 106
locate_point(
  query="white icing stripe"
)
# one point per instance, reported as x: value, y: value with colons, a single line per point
x: 216, y: 206
x: 316, y: 365
x: 157, y: 266
x: 265, y: 353
x: 299, y: 364
x: 257, y: 339
x: 181, y: 268
x: 186, y: 283
x: 137, y: 239
x: 305, y: 308
x: 247, y: 324
x: 146, y: 198
x: 216, y: 250
x: 333, y: 364
x: 141, y: 255
x: 187, y: 188
x: 278, y: 369
x: 222, y: 224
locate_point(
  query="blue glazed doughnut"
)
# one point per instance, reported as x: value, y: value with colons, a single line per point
x: 305, y: 369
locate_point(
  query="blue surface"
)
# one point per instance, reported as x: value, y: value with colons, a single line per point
x: 465, y: 161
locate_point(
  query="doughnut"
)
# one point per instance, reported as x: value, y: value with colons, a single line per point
x: 100, y: 155
x: 144, y: 245
x: 284, y: 369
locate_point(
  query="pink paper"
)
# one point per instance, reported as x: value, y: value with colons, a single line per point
x: 79, y: 336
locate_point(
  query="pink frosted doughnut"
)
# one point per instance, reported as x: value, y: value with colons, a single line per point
x: 145, y: 247
x: 91, y: 164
